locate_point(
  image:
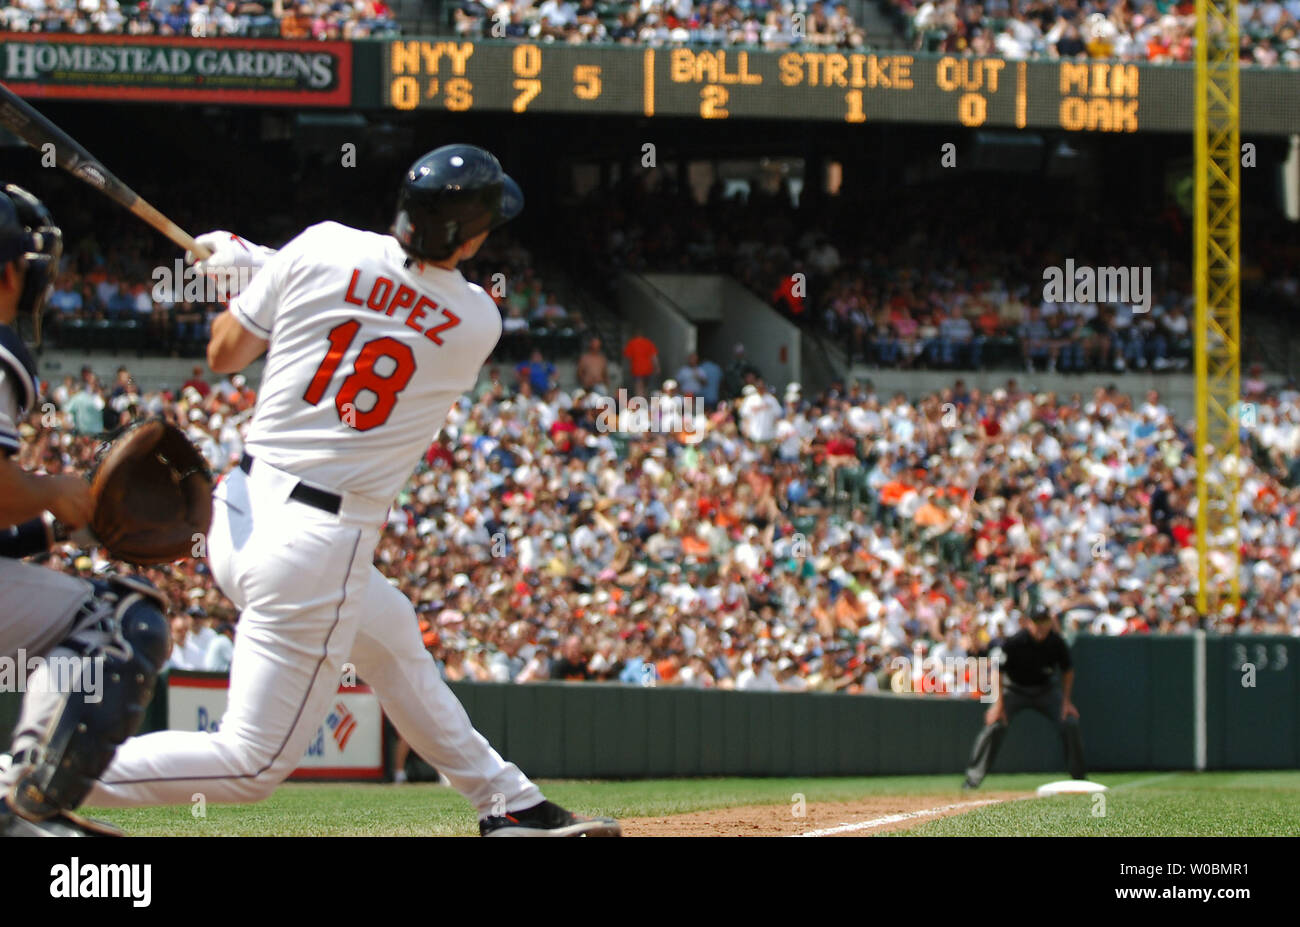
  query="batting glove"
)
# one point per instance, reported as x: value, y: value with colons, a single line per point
x: 233, y: 260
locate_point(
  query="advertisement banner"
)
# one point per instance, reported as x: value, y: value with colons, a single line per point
x: 160, y: 69
x: 348, y: 744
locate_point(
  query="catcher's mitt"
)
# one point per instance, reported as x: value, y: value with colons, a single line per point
x: 153, y: 495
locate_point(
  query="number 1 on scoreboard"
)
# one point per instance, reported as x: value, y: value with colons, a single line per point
x: 855, y: 113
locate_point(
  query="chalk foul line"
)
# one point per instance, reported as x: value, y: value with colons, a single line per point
x: 896, y: 818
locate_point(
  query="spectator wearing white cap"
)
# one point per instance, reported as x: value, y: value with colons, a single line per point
x: 759, y: 411
x: 200, y: 434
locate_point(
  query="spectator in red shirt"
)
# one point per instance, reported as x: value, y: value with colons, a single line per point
x: 197, y: 383
x: 438, y: 450
x: 790, y: 295
x: 562, y: 431
x: 643, y: 361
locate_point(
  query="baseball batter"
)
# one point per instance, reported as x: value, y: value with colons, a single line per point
x: 369, y: 339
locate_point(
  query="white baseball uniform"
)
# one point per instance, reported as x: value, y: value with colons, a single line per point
x: 367, y: 352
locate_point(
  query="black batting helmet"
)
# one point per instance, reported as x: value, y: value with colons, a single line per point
x: 449, y: 196
x: 28, y: 232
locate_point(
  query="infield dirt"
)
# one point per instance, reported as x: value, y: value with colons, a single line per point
x: 783, y: 821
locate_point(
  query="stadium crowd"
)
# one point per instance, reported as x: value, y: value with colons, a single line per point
x: 289, y: 19
x: 770, y: 25
x: 963, y: 293
x: 757, y: 23
x: 1159, y: 31
x: 771, y: 541
x: 1155, y: 30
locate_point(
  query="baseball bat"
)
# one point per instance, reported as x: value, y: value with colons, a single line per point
x: 20, y: 118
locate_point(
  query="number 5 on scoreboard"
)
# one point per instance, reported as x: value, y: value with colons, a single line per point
x: 586, y: 81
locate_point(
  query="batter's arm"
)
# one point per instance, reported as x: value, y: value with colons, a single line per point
x: 232, y: 347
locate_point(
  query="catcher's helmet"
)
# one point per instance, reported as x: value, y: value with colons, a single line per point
x: 27, y: 231
x: 449, y: 196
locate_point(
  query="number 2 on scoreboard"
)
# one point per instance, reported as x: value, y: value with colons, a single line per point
x: 363, y: 378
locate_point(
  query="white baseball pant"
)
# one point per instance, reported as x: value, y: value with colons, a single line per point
x: 310, y: 601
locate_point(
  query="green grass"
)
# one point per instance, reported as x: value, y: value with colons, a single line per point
x: 1139, y: 804
x: 1227, y: 804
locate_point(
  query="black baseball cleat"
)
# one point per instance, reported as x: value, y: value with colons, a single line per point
x: 547, y: 820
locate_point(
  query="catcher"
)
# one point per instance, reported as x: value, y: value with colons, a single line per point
x: 108, y: 640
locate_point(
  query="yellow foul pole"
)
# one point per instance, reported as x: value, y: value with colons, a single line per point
x: 1219, y: 411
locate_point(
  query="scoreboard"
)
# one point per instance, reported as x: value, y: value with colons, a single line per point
x: 816, y: 84
x: 811, y: 84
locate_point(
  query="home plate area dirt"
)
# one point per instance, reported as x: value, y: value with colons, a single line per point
x: 860, y: 818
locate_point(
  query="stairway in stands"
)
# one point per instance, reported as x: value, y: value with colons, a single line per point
x: 601, y: 317
x: 422, y: 17
x: 879, y: 25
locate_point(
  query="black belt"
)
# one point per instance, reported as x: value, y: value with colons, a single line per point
x: 307, y: 495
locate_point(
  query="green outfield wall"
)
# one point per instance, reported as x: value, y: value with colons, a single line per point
x: 1183, y: 702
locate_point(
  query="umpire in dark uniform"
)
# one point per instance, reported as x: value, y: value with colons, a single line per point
x: 1037, y: 673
